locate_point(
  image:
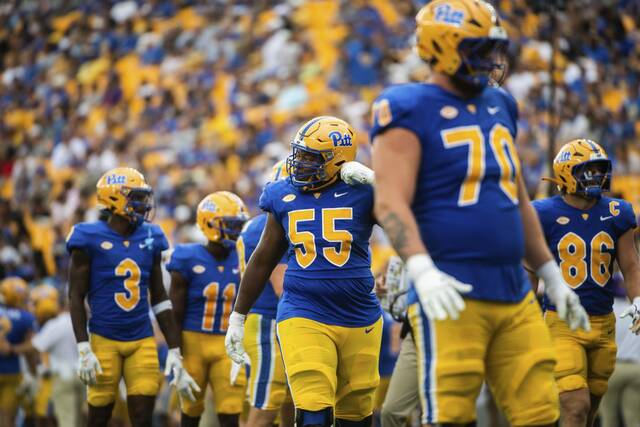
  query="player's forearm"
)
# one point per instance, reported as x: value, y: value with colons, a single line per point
x: 78, y: 318
x: 399, y: 224
x: 253, y: 281
x: 169, y: 328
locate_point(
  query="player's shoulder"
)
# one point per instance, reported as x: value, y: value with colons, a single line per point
x: 620, y: 209
x: 277, y: 192
x: 151, y: 228
x: 186, y: 250
x: 83, y: 234
x: 255, y: 224
x: 545, y: 204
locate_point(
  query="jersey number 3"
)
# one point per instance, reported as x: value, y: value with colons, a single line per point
x: 128, y: 269
x: 501, y: 143
x: 304, y: 241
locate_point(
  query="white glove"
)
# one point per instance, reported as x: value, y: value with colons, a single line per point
x: 235, y: 370
x: 439, y: 293
x: 183, y: 382
x: 562, y: 296
x: 633, y: 311
x: 354, y: 173
x: 233, y: 341
x: 88, y: 365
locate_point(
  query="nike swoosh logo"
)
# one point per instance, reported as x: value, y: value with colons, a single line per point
x: 336, y: 195
x: 235, y: 271
x: 604, y: 218
x: 366, y: 331
x: 493, y: 110
x: 142, y: 245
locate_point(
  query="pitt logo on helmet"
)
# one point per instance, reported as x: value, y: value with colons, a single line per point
x: 340, y: 140
x: 445, y: 13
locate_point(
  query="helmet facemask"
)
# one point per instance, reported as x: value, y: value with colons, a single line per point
x: 484, y: 62
x: 307, y: 167
x: 592, y: 177
x: 140, y: 203
x: 229, y: 228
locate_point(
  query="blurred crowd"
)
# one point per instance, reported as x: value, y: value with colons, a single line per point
x: 205, y: 95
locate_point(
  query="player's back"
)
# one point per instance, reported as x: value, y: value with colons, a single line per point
x: 328, y: 275
x: 267, y: 302
x: 15, y: 324
x: 119, y: 277
x: 584, y: 243
x: 466, y: 201
x: 212, y: 287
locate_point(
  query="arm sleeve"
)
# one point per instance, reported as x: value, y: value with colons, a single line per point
x: 77, y: 239
x: 177, y: 262
x: 627, y: 219
x: 395, y: 108
x: 265, y: 202
x: 161, y: 239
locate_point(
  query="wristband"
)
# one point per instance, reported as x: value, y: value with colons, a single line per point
x: 162, y: 306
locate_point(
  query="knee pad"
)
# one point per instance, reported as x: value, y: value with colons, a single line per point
x: 366, y: 422
x: 321, y: 418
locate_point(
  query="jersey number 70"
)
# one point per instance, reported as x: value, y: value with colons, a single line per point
x: 501, y: 143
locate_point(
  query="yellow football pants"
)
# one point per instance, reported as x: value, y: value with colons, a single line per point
x: 135, y: 361
x: 508, y: 344
x: 585, y: 359
x: 331, y: 366
x: 8, y: 399
x: 207, y: 362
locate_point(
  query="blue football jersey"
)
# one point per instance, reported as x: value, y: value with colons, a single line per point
x: 213, y: 286
x: 120, y: 273
x: 267, y: 302
x: 328, y: 276
x: 15, y: 324
x: 466, y: 201
x: 584, y: 245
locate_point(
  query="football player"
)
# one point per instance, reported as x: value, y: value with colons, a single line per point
x: 268, y: 392
x: 587, y: 232
x: 115, y: 263
x: 204, y: 284
x: 16, y: 326
x: 329, y: 322
x: 451, y: 199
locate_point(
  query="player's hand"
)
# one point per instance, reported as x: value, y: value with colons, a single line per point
x: 354, y: 173
x: 562, y: 296
x: 88, y: 365
x: 439, y: 293
x: 235, y: 371
x: 234, y: 340
x: 633, y: 311
x: 183, y: 382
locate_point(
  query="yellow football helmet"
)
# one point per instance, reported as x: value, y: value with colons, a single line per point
x: 582, y: 167
x: 463, y: 39
x: 319, y: 149
x: 221, y: 216
x: 45, y: 301
x: 279, y: 171
x: 14, y: 292
x: 124, y: 192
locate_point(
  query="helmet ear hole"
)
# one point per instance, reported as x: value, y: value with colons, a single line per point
x: 436, y: 46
